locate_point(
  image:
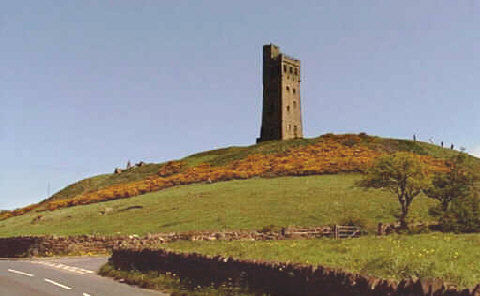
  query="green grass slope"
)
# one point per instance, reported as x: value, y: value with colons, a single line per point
x: 246, y: 204
x: 105, y: 180
x: 435, y: 255
x: 214, y: 157
x: 222, y: 157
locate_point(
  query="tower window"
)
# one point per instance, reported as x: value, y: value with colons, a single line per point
x: 285, y: 68
x: 294, y: 104
x: 288, y: 88
x: 288, y: 108
x: 293, y: 90
x: 296, y: 71
x: 291, y: 70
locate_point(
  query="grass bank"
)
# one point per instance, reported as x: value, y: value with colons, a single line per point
x: 241, y: 204
x: 450, y: 257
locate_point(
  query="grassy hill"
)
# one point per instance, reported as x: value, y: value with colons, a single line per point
x: 225, y: 156
x: 305, y: 182
x: 328, y: 154
x: 215, y: 158
x: 237, y: 204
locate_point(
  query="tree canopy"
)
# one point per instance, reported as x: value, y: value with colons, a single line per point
x: 402, y: 174
x: 457, y: 182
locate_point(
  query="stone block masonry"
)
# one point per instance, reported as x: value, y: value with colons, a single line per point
x: 281, y: 115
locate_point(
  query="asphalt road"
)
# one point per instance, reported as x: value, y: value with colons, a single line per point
x: 63, y: 276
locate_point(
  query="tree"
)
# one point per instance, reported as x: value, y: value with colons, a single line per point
x: 402, y: 174
x: 457, y: 182
x: 463, y: 215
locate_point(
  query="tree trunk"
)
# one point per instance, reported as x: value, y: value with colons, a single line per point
x: 403, y: 218
x: 444, y: 205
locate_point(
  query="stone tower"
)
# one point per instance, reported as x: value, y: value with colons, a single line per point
x: 281, y: 116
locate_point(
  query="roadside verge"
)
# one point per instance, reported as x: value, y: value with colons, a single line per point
x: 274, y: 278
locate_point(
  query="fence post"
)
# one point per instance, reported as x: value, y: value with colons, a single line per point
x: 335, y: 229
x: 380, y: 229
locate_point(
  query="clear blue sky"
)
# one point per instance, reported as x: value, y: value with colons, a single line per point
x: 87, y: 85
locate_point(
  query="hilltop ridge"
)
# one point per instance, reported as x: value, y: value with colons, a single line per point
x: 327, y: 154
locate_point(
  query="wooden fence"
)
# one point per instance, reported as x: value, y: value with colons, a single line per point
x: 337, y: 232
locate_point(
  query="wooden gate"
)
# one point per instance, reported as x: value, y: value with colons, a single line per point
x: 337, y: 232
x: 346, y: 231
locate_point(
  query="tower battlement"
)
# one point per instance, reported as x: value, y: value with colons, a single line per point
x: 281, y: 114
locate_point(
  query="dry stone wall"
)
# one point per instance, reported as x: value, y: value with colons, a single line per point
x: 277, y: 279
x: 28, y: 246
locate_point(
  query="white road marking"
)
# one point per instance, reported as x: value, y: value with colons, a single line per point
x: 20, y: 272
x: 73, y: 269
x: 57, y: 284
x: 85, y: 294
